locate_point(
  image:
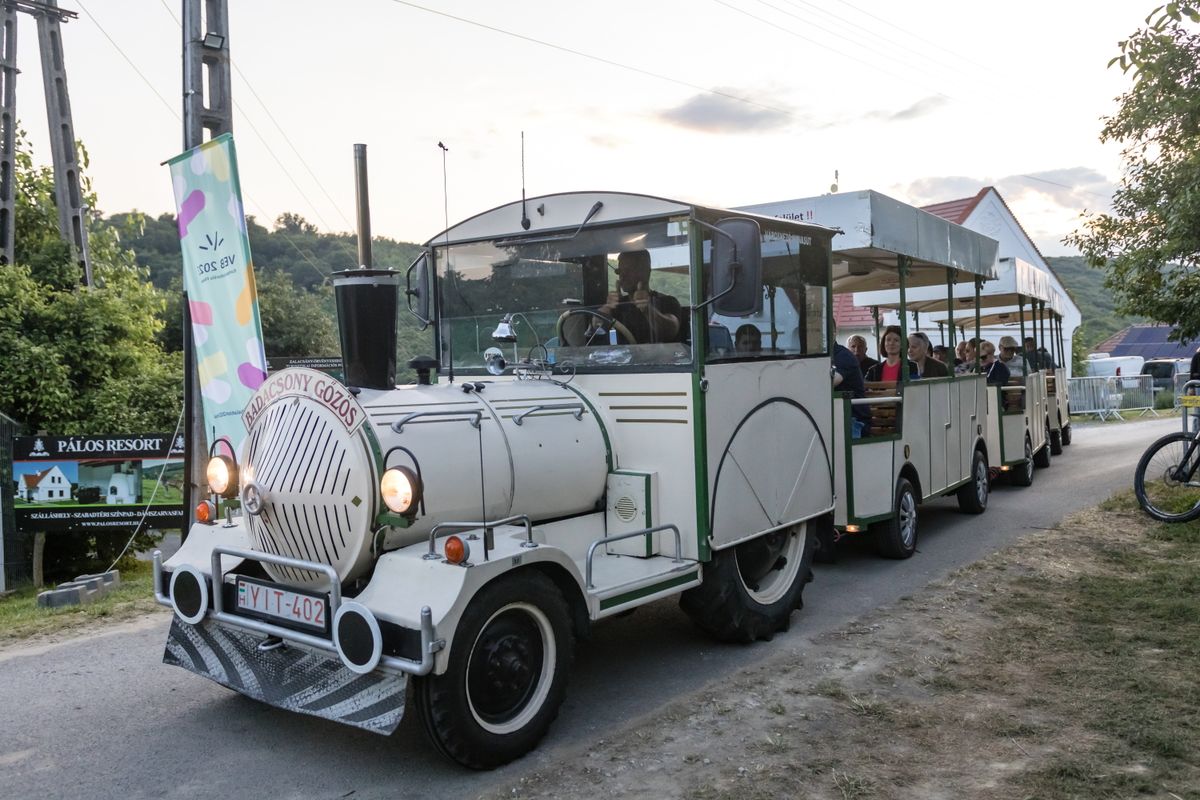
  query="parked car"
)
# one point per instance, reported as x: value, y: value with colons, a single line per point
x: 1102, y: 365
x: 1164, y: 370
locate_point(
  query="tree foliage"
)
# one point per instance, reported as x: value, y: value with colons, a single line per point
x: 1150, y: 242
x: 74, y: 357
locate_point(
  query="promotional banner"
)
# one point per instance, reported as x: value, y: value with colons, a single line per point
x: 219, y: 278
x: 78, y: 483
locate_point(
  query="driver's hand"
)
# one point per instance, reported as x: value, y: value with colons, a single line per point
x: 641, y: 297
x: 614, y: 299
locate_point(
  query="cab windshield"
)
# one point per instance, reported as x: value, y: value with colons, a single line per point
x: 605, y: 298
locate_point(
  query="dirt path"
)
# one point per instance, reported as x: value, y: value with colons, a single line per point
x: 1055, y: 668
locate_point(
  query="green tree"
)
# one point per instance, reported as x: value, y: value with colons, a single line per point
x: 1150, y: 242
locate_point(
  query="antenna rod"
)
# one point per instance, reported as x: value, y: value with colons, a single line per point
x: 442, y: 304
x: 363, y: 202
x: 524, y: 216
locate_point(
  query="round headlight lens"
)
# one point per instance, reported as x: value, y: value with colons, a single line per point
x: 222, y: 476
x: 400, y: 490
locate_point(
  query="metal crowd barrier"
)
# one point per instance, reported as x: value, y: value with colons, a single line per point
x: 1110, y: 397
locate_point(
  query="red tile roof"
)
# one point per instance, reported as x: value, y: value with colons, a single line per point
x: 33, y: 480
x: 847, y: 315
x: 957, y: 211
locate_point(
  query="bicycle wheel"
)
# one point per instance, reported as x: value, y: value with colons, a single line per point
x: 1156, y: 482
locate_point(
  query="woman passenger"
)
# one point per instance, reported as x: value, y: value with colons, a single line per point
x: 997, y: 373
x: 889, y: 368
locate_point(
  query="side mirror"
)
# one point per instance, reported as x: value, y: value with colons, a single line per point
x: 419, y: 296
x: 737, y: 267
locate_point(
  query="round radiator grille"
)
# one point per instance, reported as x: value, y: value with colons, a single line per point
x: 626, y: 508
x: 317, y: 487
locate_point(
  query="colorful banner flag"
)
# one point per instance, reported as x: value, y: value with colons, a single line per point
x: 218, y: 275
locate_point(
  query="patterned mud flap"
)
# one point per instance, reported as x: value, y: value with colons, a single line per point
x: 291, y: 678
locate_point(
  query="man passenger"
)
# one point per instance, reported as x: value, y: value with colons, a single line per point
x: 1010, y: 357
x: 997, y: 373
x: 858, y: 346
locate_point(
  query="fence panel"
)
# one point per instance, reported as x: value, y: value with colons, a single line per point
x: 1093, y: 396
x: 1134, y: 393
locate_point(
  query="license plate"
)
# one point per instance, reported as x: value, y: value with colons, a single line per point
x: 1190, y: 401
x: 268, y: 601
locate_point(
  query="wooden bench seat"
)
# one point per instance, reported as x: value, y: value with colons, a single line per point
x: 1014, y: 402
x: 883, y: 416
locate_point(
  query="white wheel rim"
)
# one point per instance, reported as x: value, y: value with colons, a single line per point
x: 981, y: 481
x: 908, y: 519
x: 776, y: 583
x: 541, y: 692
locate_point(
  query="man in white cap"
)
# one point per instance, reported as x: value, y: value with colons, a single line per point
x: 1010, y: 356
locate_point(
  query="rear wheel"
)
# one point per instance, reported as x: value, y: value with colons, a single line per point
x: 1162, y: 491
x: 1022, y: 473
x: 750, y: 590
x: 1056, y: 443
x: 1066, y: 435
x: 897, y: 537
x: 1041, y: 459
x: 973, y: 495
x: 506, y: 677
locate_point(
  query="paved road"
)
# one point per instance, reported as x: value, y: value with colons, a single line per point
x: 102, y: 717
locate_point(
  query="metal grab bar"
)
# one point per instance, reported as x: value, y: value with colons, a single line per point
x: 398, y: 425
x: 462, y: 526
x: 645, y: 532
x: 877, y: 401
x: 335, y: 583
x: 1012, y: 388
x: 576, y: 407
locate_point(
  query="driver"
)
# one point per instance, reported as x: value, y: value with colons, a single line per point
x: 650, y: 316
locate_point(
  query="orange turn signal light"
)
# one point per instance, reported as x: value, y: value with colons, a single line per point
x: 456, y: 549
x: 206, y: 512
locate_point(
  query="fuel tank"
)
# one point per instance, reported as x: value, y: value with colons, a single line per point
x: 484, y: 450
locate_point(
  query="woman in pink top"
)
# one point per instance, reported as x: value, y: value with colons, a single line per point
x: 889, y: 368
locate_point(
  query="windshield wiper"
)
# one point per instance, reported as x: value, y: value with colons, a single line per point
x: 559, y: 237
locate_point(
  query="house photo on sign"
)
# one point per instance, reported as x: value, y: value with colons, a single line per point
x: 64, y: 483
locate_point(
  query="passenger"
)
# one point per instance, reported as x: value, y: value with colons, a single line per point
x: 889, y: 368
x: 967, y: 366
x: 960, y: 354
x: 941, y: 353
x: 997, y: 373
x: 858, y: 346
x: 1037, y: 356
x: 847, y: 377
x: 650, y: 316
x: 920, y: 352
x: 1010, y: 358
x: 748, y: 339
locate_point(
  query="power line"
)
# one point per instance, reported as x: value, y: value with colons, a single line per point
x: 916, y: 36
x: 129, y: 61
x: 802, y: 37
x: 599, y: 59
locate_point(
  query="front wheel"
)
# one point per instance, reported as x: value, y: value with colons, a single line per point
x: 896, y: 537
x: 1056, y: 443
x: 1022, y: 474
x: 506, y: 677
x: 1165, y: 482
x: 973, y: 495
x: 750, y: 590
x: 1066, y: 435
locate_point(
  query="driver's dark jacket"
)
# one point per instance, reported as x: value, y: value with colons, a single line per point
x: 633, y: 318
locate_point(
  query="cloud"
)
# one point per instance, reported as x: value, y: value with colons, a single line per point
x: 720, y: 113
x: 923, y: 107
x: 608, y: 142
x: 1046, y: 203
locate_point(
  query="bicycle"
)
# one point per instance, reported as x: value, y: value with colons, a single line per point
x: 1166, y: 482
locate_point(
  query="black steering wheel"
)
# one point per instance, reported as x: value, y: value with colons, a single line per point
x: 615, y: 324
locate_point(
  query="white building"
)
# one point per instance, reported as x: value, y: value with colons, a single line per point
x: 48, y: 486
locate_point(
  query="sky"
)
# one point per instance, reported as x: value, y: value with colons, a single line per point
x: 721, y: 102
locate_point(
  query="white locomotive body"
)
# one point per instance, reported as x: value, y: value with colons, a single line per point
x: 595, y: 440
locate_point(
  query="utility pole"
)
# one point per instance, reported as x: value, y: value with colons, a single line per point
x: 71, y: 222
x: 205, y: 51
x: 8, y: 131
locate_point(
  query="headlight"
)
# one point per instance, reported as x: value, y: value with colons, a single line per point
x: 401, y: 490
x: 222, y: 476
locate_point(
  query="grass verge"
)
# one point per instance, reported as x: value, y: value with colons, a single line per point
x: 21, y: 619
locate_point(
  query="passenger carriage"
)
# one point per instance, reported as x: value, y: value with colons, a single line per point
x: 927, y: 438
x: 562, y: 460
x: 1018, y: 418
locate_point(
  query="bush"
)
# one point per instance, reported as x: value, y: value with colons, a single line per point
x: 1164, y: 400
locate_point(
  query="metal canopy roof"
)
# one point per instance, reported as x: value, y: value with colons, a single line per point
x: 1017, y: 282
x: 555, y: 213
x: 875, y: 229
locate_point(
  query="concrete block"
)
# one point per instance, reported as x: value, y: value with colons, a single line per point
x: 84, y: 589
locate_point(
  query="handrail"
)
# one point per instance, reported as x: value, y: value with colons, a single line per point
x: 462, y: 526
x: 877, y: 401
x: 398, y: 425
x: 576, y: 407
x: 644, y: 532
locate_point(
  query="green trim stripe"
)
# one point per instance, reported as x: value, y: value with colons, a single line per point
x: 645, y: 591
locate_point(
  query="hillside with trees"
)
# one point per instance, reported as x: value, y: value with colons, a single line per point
x: 1096, y: 303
